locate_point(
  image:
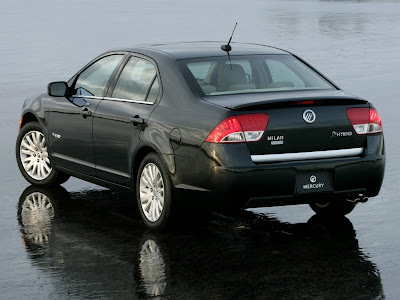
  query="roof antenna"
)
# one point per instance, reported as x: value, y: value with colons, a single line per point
x: 228, y: 47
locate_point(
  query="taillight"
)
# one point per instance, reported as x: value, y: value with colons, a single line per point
x: 365, y: 120
x: 239, y: 129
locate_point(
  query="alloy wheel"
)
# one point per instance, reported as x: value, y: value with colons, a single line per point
x: 151, y: 192
x: 34, y: 156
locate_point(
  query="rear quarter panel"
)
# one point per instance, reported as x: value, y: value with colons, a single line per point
x: 182, y: 120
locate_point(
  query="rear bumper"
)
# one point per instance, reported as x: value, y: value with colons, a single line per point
x: 225, y: 176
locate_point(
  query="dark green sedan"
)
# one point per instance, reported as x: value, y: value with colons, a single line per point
x: 190, y: 126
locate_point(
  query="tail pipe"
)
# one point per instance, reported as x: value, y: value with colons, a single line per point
x: 357, y: 198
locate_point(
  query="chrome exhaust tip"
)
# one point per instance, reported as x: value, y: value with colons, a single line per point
x: 357, y: 198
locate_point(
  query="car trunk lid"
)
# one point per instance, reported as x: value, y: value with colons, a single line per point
x: 301, y: 125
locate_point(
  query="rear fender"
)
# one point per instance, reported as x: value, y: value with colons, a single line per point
x: 142, y: 150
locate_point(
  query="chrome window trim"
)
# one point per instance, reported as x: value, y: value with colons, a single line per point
x: 87, y: 97
x: 128, y: 100
x: 307, y: 155
x: 114, y: 99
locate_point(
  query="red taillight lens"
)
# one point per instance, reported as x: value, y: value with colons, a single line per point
x: 227, y: 131
x: 375, y: 118
x: 365, y: 120
x: 254, y: 126
x: 243, y: 128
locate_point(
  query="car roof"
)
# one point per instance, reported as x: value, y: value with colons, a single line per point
x: 185, y: 50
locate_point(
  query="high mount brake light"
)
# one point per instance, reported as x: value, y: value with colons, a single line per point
x: 239, y: 129
x: 365, y: 120
x: 304, y: 102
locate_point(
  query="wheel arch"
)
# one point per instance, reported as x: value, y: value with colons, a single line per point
x: 35, y: 108
x: 30, y: 116
x: 141, y: 153
x: 27, y: 118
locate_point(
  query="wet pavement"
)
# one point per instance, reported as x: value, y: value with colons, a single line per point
x: 85, y: 242
x: 92, y: 247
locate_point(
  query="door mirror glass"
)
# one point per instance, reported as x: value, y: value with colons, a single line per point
x: 57, y: 89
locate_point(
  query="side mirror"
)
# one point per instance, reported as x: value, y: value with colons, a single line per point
x: 57, y: 88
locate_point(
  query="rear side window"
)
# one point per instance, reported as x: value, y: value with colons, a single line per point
x: 93, y: 80
x: 282, y: 75
x: 200, y: 69
x: 245, y: 64
x: 138, y: 81
x: 225, y: 75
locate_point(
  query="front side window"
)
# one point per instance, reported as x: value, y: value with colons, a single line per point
x: 138, y: 81
x: 252, y: 74
x: 93, y: 81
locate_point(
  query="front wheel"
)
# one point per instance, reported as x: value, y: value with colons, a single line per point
x: 334, y: 208
x: 154, y: 192
x: 33, y: 157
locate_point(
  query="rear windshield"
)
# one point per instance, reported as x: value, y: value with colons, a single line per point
x: 252, y: 74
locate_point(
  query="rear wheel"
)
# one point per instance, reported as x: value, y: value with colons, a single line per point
x: 33, y: 157
x: 154, y: 192
x: 333, y: 208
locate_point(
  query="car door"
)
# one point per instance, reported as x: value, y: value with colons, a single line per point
x: 121, y: 117
x: 70, y: 120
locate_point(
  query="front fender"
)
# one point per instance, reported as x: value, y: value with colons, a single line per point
x: 37, y: 105
x: 35, y: 108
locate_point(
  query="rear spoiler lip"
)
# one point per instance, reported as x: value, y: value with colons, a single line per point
x: 321, y: 101
x: 278, y: 99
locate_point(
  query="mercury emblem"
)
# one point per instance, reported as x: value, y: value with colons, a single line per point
x: 309, y: 116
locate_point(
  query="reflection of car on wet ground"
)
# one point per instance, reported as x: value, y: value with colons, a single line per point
x: 87, y: 247
x: 190, y: 123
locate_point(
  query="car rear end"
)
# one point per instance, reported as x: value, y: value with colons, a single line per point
x: 340, y: 154
x: 287, y: 142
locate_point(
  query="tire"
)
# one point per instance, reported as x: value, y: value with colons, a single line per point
x: 334, y: 208
x: 154, y: 193
x: 32, y: 157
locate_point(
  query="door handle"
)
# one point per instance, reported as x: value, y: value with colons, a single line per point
x: 86, y: 113
x: 136, y: 120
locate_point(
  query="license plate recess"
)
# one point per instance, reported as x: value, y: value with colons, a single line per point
x: 313, y: 182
